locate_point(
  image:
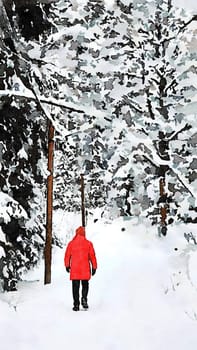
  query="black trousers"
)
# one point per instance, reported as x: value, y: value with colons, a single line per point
x: 75, y: 290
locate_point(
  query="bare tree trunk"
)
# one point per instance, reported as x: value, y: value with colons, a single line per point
x: 48, y: 242
x: 163, y: 210
x: 82, y: 201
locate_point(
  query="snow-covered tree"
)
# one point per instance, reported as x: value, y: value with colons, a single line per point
x: 160, y: 82
x: 133, y: 66
x: 23, y: 151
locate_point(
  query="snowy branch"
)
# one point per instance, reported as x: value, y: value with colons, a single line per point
x: 127, y: 100
x: 182, y: 181
x: 181, y: 29
x: 174, y: 135
x: 157, y: 162
x: 31, y: 2
x: 29, y: 95
x: 194, y: 18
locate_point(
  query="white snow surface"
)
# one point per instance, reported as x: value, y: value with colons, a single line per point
x: 143, y: 296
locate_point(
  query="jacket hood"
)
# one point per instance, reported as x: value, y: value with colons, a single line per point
x: 80, y: 231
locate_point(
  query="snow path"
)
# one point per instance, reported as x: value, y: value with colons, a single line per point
x: 133, y: 302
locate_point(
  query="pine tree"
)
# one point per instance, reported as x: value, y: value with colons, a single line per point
x: 23, y: 151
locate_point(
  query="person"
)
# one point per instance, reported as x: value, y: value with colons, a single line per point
x: 79, y: 255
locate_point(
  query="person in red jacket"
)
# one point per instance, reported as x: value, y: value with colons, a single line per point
x: 78, y: 257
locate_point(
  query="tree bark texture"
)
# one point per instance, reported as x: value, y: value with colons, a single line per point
x: 49, y: 214
x: 163, y: 210
x: 82, y: 201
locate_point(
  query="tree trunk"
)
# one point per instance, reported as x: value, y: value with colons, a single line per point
x: 163, y: 210
x: 82, y: 201
x: 48, y: 242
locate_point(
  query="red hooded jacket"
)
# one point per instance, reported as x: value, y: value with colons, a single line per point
x: 78, y: 256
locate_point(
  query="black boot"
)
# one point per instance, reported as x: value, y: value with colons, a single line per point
x: 84, y: 303
x: 76, y: 308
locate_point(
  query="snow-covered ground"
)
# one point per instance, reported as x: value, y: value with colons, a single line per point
x: 143, y: 296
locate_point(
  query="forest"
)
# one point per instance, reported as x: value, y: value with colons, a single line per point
x: 117, y: 83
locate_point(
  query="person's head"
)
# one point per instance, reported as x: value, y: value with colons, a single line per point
x: 80, y: 231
